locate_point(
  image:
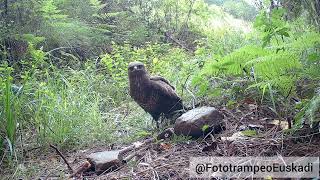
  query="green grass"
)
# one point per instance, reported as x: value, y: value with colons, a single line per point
x: 65, y: 109
x: 7, y: 115
x: 74, y: 109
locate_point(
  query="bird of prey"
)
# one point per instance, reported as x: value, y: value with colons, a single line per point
x: 153, y: 93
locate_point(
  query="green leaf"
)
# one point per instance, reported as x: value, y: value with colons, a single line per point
x: 231, y: 104
x: 313, y: 57
x: 10, y: 122
x: 205, y: 128
x: 249, y: 133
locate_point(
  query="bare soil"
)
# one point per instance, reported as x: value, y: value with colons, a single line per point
x: 170, y: 159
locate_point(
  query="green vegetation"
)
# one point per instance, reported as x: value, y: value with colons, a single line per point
x: 63, y: 64
x: 240, y: 9
x: 250, y: 133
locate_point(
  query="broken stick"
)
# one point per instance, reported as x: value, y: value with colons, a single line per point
x: 61, y: 155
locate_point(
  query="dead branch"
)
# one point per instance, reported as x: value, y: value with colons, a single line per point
x: 129, y: 157
x: 55, y: 49
x: 134, y: 146
x: 169, y: 35
x: 184, y: 86
x: 61, y: 155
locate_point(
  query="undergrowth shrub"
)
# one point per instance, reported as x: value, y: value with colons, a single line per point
x: 275, y: 67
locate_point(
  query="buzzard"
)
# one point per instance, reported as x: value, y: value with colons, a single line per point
x: 154, y: 94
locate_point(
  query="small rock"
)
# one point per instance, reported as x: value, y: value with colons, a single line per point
x: 255, y: 127
x: 105, y: 161
x: 198, y: 122
x: 243, y: 128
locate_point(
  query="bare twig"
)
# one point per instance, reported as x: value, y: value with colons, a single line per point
x: 134, y: 146
x: 61, y: 155
x: 185, y: 83
x: 47, y: 53
x: 193, y: 98
x: 169, y: 35
x: 128, y: 158
x: 184, y: 86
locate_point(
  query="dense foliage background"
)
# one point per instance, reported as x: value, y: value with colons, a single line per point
x: 63, y: 64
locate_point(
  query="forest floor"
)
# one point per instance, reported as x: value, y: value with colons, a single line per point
x: 170, y: 159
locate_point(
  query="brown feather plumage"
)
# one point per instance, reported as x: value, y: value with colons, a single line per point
x: 154, y: 94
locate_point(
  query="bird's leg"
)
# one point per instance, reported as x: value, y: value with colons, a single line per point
x: 156, y: 119
x: 163, y: 120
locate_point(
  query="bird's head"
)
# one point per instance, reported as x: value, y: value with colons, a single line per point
x: 136, y: 69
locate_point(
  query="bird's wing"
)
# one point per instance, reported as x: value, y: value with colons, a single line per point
x: 159, y: 78
x: 163, y: 88
x: 166, y: 98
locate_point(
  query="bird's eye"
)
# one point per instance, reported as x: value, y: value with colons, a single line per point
x: 130, y: 68
x: 139, y: 66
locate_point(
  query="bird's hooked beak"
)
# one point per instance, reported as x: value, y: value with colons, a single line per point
x: 135, y: 68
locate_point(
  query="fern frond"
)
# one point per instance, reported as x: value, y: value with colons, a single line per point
x: 274, y: 65
x: 234, y: 62
x: 278, y: 69
x: 313, y: 111
x: 306, y: 41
